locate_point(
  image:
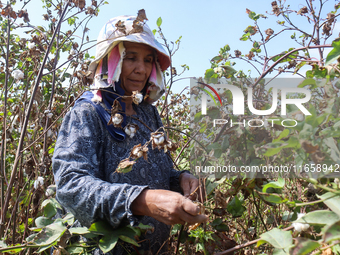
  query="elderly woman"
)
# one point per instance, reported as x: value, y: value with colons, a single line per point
x: 93, y: 140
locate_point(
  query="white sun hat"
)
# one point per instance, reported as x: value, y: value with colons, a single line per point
x: 111, y: 34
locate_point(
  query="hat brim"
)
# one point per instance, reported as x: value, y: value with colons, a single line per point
x: 163, y: 59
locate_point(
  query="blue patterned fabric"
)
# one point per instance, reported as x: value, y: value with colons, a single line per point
x: 117, y: 133
x: 84, y: 163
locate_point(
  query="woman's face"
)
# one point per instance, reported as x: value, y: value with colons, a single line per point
x: 137, y: 66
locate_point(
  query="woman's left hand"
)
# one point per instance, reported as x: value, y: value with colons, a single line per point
x: 189, y: 185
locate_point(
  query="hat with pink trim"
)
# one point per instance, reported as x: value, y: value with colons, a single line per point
x: 130, y: 29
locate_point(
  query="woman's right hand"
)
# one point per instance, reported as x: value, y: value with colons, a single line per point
x: 168, y: 207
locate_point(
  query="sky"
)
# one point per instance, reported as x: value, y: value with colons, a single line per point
x: 205, y: 27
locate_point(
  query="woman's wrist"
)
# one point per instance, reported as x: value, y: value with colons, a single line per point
x: 139, y: 205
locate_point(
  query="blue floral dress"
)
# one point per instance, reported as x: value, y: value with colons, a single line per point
x: 84, y: 163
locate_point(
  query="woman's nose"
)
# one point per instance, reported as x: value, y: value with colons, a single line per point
x: 140, y: 67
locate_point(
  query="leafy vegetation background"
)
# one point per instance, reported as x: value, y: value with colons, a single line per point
x: 45, y: 70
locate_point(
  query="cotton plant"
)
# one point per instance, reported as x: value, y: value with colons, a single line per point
x: 38, y: 182
x: 157, y: 138
x: 18, y: 75
x: 300, y: 227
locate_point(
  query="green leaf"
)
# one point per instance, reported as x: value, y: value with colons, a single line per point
x: 14, y: 250
x: 304, y: 246
x: 101, y: 227
x: 76, y: 250
x: 127, y: 234
x: 279, y: 184
x: 159, y: 22
x: 245, y: 37
x: 154, y: 31
x: 319, y: 217
x: 306, y: 82
x: 336, y: 249
x: 336, y: 107
x: 222, y: 228
x: 42, y: 221
x: 216, y: 222
x: 43, y: 248
x: 278, y: 238
x: 235, y: 207
x: 332, y: 233
x: 68, y: 218
x: 332, y: 201
x: 212, y: 183
x: 49, y: 234
x: 281, y: 251
x: 108, y: 242
x: 210, y: 76
x: 273, y: 148
x: 283, y: 134
x: 144, y: 227
x: 335, y: 153
x: 79, y: 231
x: 71, y: 21
x: 199, y: 247
x: 129, y: 240
x: 50, y: 210
x: 273, y: 198
x: 251, y: 15
x: 334, y: 53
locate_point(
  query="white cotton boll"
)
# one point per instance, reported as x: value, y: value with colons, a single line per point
x: 137, y: 152
x: 218, y: 69
x: 299, y: 227
x: 48, y: 113
x: 30, y: 45
x: 41, y: 180
x: 127, y: 131
x: 72, y: 52
x: 161, y: 139
x: 117, y: 119
x: 18, y: 75
x: 49, y: 133
x: 132, y: 129
x: 38, y: 182
x: 139, y: 97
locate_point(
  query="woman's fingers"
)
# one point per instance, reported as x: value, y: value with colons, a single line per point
x: 168, y: 207
x: 192, y: 212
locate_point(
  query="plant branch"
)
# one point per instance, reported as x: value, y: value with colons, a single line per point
x: 22, y: 135
x: 284, y: 56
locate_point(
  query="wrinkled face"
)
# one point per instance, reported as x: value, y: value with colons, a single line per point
x: 137, y: 66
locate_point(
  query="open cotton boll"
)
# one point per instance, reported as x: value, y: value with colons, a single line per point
x: 38, y: 182
x: 18, y: 75
x: 299, y: 227
x: 30, y: 45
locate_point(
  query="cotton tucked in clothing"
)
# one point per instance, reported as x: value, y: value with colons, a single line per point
x: 84, y: 164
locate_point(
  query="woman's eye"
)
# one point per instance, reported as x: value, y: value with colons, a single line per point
x: 148, y: 60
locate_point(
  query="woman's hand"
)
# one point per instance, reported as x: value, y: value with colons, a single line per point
x: 168, y: 207
x: 190, y: 186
